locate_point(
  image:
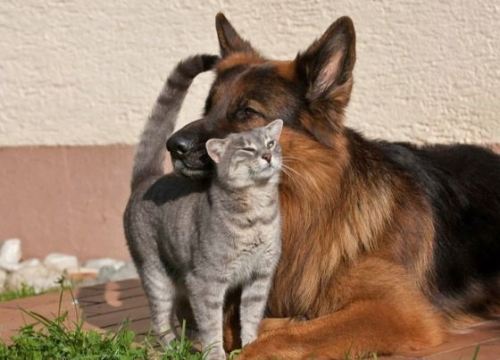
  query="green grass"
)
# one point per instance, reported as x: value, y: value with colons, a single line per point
x: 182, y: 349
x: 476, y: 353
x: 24, y: 291
x: 56, y: 341
x: 59, y: 338
x: 53, y: 339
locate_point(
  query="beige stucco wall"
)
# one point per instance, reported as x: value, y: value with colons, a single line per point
x: 86, y: 72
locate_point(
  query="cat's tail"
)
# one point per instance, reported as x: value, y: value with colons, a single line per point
x: 150, y: 152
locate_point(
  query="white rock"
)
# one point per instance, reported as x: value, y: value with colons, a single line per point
x: 127, y: 271
x: 29, y: 263
x: 10, y: 267
x: 23, y: 264
x: 61, y: 262
x: 10, y: 254
x: 102, y: 262
x: 3, y: 277
x: 39, y: 277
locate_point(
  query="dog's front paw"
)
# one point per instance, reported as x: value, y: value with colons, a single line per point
x: 270, y: 324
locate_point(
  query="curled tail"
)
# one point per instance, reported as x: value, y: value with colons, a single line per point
x: 150, y: 152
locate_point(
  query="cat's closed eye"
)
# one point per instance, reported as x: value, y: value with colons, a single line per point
x: 249, y: 149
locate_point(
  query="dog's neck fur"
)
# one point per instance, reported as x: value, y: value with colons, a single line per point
x: 315, y: 196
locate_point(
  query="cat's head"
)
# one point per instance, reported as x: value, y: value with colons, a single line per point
x: 248, y: 158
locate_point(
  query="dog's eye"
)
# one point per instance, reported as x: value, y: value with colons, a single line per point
x: 246, y: 113
x: 271, y: 144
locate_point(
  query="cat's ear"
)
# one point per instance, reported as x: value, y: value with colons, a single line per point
x: 274, y: 129
x: 229, y: 40
x: 216, y: 148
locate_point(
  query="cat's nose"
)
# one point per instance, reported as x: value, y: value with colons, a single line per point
x: 267, y: 157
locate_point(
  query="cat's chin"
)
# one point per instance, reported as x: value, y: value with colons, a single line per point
x: 267, y: 173
x: 267, y: 177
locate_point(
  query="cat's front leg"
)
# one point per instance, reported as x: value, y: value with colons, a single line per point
x: 160, y: 291
x: 184, y: 315
x: 207, y: 300
x: 253, y: 304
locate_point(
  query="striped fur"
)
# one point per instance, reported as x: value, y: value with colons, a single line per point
x: 150, y: 153
x: 193, y: 241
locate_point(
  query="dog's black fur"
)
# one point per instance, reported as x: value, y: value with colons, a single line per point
x: 463, y: 184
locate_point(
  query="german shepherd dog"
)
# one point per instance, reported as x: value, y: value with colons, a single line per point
x: 386, y: 246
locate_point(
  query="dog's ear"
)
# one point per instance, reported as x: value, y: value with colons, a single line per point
x: 325, y: 68
x: 327, y: 64
x: 229, y: 40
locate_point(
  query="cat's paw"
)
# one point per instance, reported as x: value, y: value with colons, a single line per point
x: 166, y: 337
x: 247, y: 339
x: 215, y: 353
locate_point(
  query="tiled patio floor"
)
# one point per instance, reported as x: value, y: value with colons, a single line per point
x: 107, y: 306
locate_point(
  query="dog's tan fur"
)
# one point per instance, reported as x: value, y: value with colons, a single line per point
x: 358, y: 268
x: 342, y: 243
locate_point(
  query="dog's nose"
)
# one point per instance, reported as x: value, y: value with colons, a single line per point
x: 267, y: 157
x: 179, y: 145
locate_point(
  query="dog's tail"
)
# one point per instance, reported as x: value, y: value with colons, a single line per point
x: 150, y: 152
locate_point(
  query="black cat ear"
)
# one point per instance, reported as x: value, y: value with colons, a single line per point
x: 215, y: 149
x: 229, y: 40
x: 274, y: 129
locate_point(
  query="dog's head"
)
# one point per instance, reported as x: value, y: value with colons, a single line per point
x: 309, y: 93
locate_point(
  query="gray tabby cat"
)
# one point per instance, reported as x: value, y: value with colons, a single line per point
x: 192, y: 241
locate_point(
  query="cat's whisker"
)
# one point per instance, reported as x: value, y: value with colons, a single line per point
x: 291, y: 170
x: 299, y: 178
x: 292, y: 174
x: 292, y: 158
